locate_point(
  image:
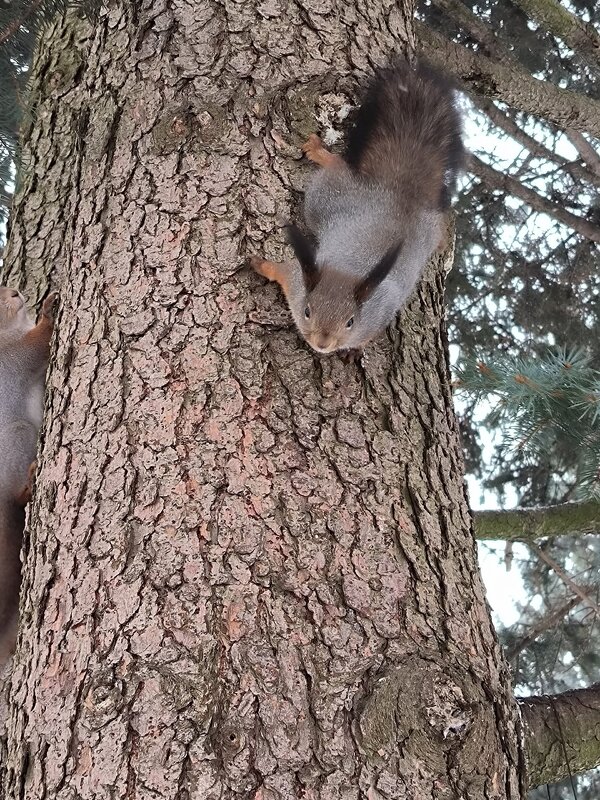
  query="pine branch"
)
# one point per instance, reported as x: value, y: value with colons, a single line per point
x: 547, y: 623
x: 510, y: 84
x: 529, y: 524
x: 566, y: 579
x: 506, y: 183
x: 580, y: 36
x: 544, y: 405
x: 11, y: 29
x: 502, y: 120
x: 475, y: 27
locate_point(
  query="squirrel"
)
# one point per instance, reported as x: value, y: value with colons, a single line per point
x: 377, y: 214
x: 24, y: 354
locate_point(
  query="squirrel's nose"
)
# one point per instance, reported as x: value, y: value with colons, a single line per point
x: 323, y: 342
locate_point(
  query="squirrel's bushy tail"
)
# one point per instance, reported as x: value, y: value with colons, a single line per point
x: 407, y: 134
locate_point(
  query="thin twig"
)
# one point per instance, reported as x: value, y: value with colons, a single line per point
x: 14, y: 26
x: 564, y: 577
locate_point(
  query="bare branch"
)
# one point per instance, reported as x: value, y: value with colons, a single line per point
x: 509, y: 184
x: 557, y: 725
x: 585, y: 150
x: 528, y: 524
x: 502, y: 120
x: 580, y: 36
x: 474, y: 26
x: 547, y: 623
x: 510, y: 83
x: 566, y: 579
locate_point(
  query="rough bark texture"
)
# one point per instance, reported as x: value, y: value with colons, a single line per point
x: 251, y: 571
x: 562, y: 734
x: 529, y: 524
x: 40, y: 225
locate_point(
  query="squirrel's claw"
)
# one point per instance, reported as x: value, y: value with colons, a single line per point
x: 50, y: 305
x: 313, y: 149
x: 352, y: 356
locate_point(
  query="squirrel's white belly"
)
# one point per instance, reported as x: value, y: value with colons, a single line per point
x: 34, y: 409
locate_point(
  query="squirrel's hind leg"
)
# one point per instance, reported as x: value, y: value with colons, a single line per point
x: 315, y: 152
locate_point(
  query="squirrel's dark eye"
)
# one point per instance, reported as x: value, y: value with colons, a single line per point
x: 307, y: 312
x: 350, y: 322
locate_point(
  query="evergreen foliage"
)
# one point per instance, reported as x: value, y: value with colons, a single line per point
x: 548, y: 409
x: 520, y: 276
x: 555, y: 645
x: 21, y: 22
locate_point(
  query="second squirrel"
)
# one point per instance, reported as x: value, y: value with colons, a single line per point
x: 24, y: 352
x: 377, y: 214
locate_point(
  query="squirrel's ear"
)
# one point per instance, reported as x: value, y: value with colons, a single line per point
x: 304, y: 248
x: 379, y: 272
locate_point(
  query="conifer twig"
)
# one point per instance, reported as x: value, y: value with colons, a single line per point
x: 507, y: 183
x: 564, y: 577
x: 548, y: 622
x: 14, y: 26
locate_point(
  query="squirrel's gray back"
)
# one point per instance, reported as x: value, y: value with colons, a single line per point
x: 402, y: 157
x: 356, y: 221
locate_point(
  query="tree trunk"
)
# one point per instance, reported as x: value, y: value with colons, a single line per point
x: 251, y: 571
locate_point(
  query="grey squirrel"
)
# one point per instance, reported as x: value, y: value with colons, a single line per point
x: 377, y: 214
x: 24, y: 353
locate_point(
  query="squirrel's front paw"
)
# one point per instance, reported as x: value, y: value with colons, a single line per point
x: 50, y: 306
x: 313, y: 148
x: 270, y: 270
x: 25, y: 495
x: 352, y: 356
x: 261, y: 266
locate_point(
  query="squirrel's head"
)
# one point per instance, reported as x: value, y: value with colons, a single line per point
x: 333, y: 313
x: 13, y: 312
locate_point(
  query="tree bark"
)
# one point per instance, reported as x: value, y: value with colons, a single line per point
x: 530, y: 524
x: 251, y: 571
x: 562, y: 734
x: 51, y: 144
